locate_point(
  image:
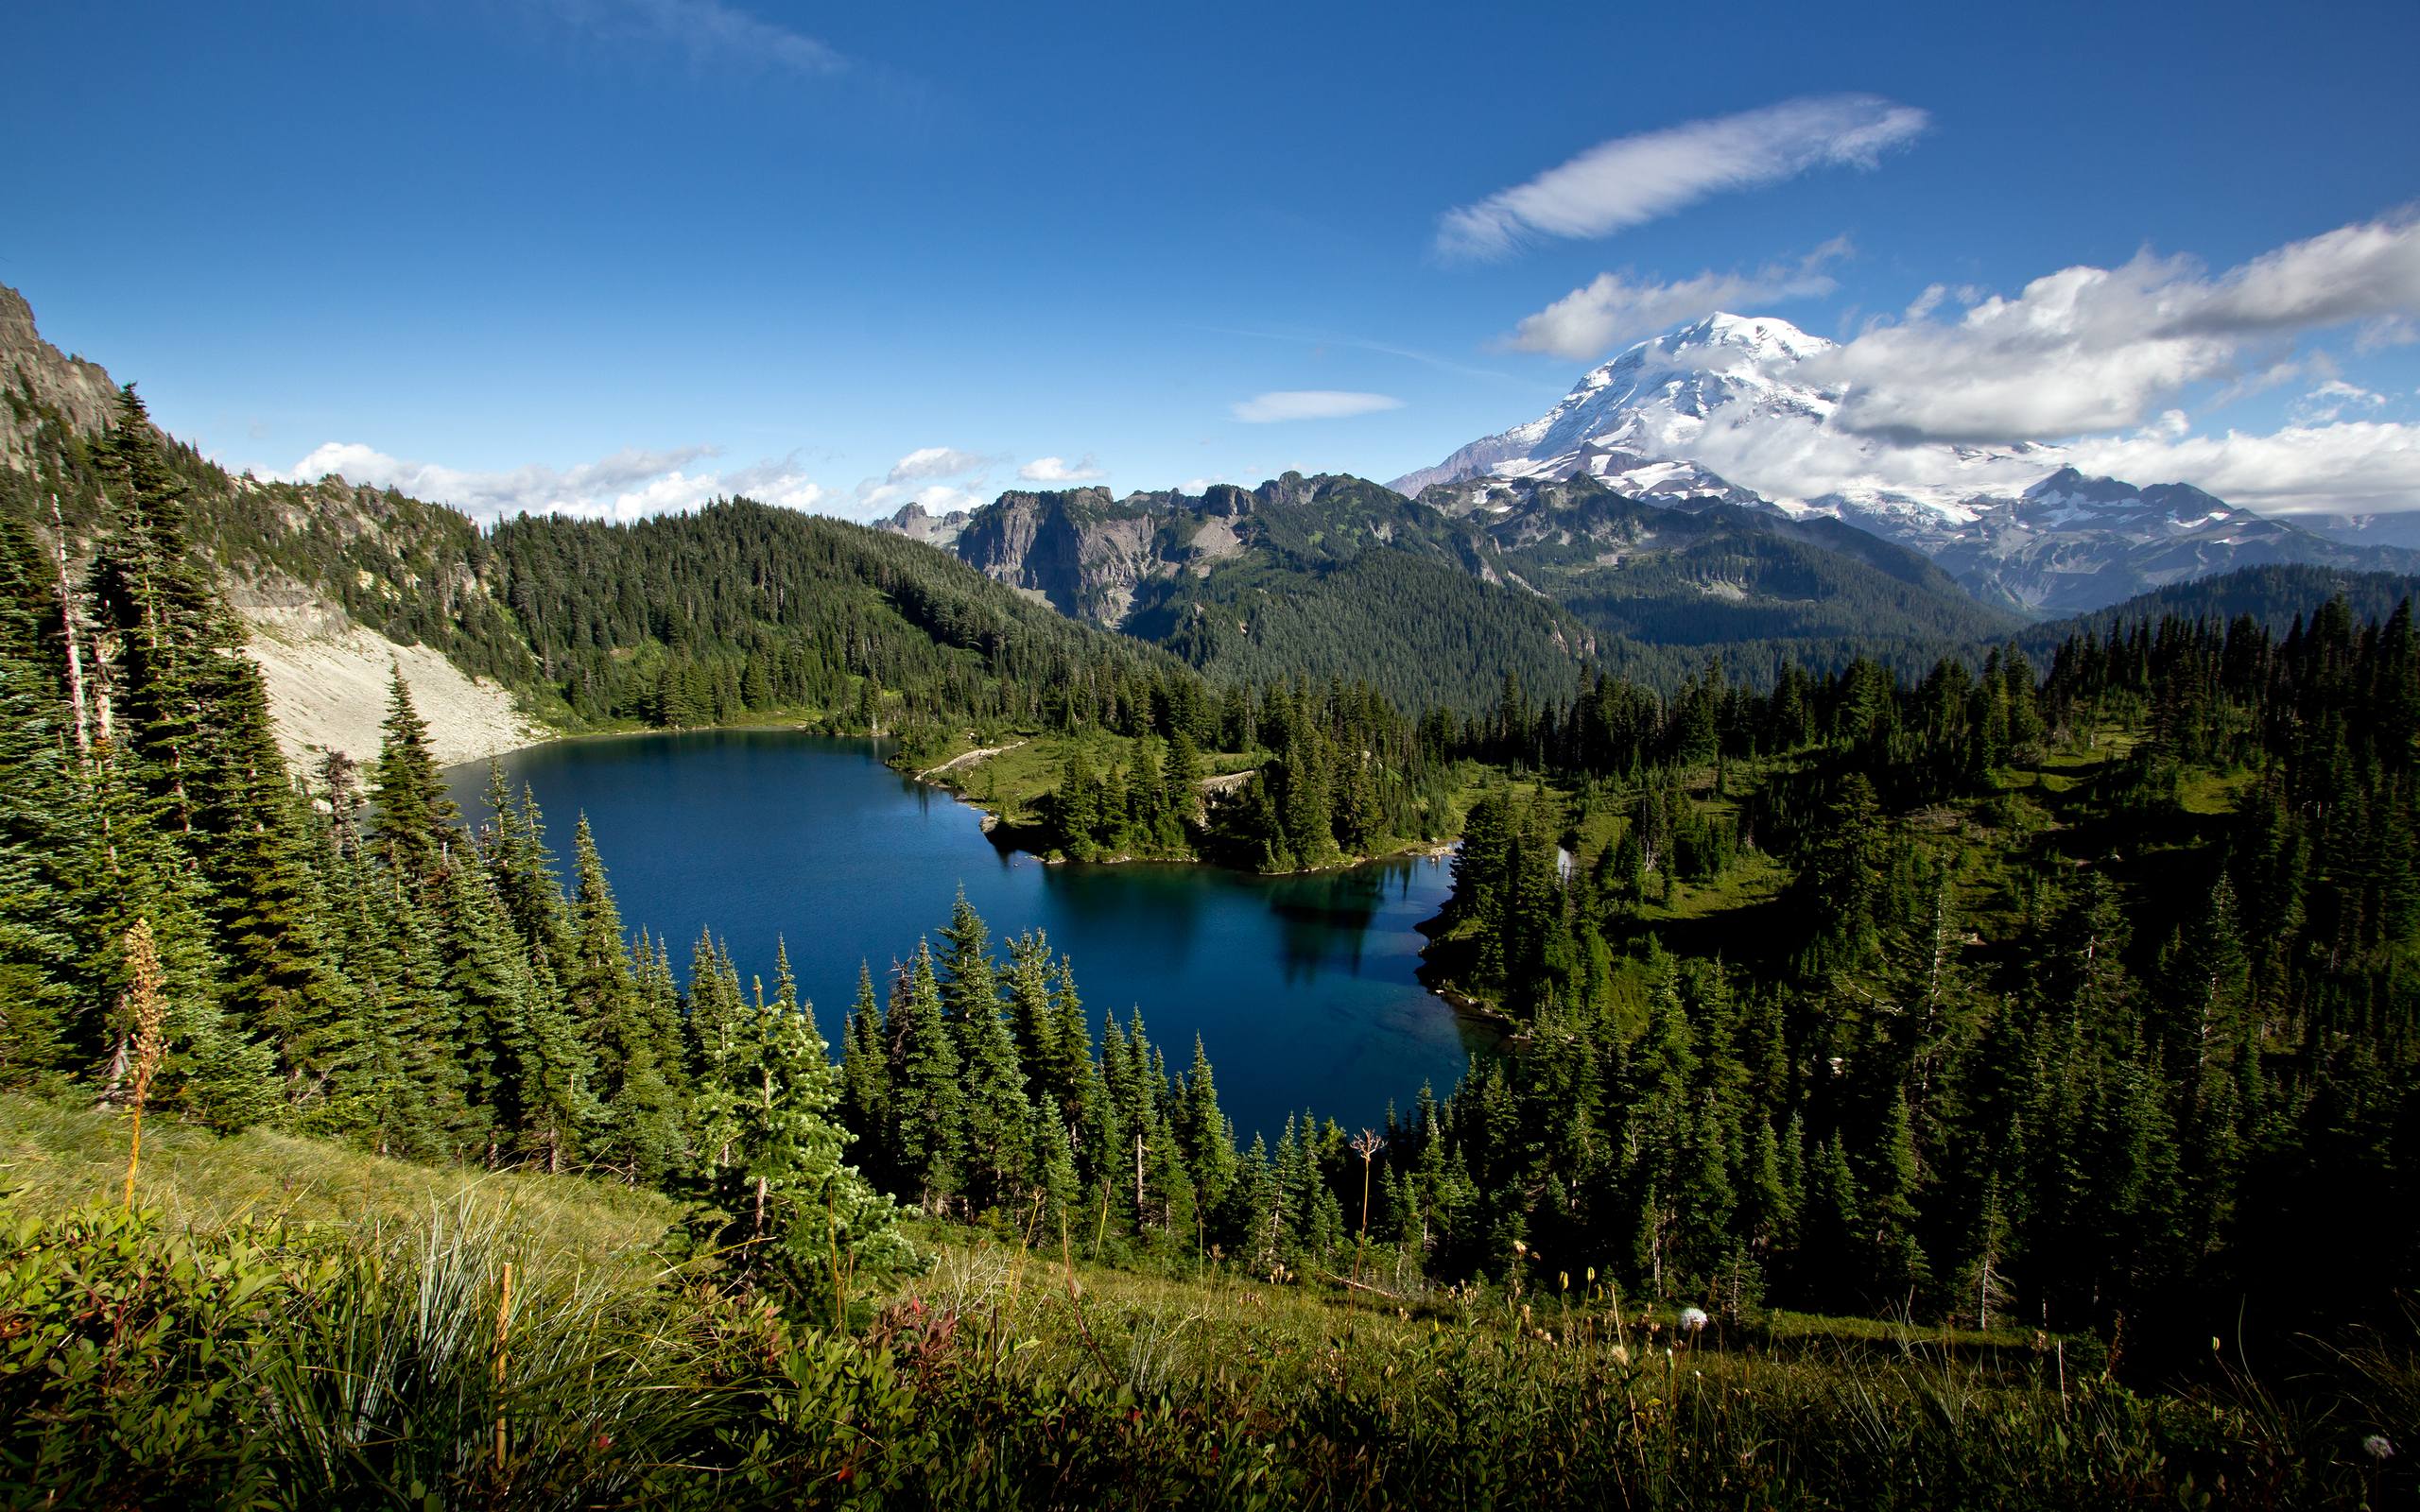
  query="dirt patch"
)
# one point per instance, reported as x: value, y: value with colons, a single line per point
x: 966, y: 759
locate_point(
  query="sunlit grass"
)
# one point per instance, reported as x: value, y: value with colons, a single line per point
x: 55, y: 1156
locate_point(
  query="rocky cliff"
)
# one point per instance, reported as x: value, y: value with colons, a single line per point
x: 38, y: 376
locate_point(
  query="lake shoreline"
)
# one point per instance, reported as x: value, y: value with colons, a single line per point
x: 930, y: 777
x: 1305, y: 986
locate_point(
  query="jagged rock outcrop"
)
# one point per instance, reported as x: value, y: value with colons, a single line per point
x: 917, y: 524
x: 1096, y: 558
x: 35, y: 372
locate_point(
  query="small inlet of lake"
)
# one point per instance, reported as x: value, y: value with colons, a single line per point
x: 1302, y: 989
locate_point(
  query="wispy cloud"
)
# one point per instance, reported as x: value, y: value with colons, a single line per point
x: 1309, y: 404
x: 936, y: 462
x: 1086, y: 469
x: 1633, y: 180
x: 2090, y: 350
x: 627, y: 485
x: 1620, y: 307
x: 917, y: 479
x: 710, y: 35
x: 2332, y: 399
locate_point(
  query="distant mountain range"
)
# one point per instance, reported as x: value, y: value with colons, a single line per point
x: 1436, y: 598
x: 2015, y: 524
x: 1541, y: 552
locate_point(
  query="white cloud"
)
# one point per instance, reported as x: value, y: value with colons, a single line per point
x: 2332, y: 399
x: 914, y: 479
x: 1059, y: 469
x: 2091, y: 350
x: 1633, y: 180
x: 1616, y: 308
x: 713, y: 36
x: 1309, y: 404
x: 936, y: 462
x: 626, y: 485
x: 947, y: 500
x: 2354, y: 467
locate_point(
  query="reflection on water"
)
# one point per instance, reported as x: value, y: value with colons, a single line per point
x: 1302, y: 989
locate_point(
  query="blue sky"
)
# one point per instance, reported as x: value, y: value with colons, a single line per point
x: 618, y: 255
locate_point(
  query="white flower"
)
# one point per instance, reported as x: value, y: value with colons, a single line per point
x: 2378, y: 1447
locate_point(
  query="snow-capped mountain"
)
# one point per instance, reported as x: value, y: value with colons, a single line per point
x: 1739, y: 409
x: 1739, y: 405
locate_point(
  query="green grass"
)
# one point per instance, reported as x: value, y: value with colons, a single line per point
x: 364, y: 1363
x: 2209, y: 793
x: 55, y: 1156
x: 1753, y: 880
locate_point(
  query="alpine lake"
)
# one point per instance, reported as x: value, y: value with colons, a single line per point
x: 1302, y: 989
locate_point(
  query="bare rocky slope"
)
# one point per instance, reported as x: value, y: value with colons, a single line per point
x: 374, y: 561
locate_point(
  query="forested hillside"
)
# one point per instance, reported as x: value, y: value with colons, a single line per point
x: 1433, y: 601
x: 2275, y: 597
x: 2089, y: 998
x: 1860, y: 995
x: 1323, y: 576
x: 1713, y: 575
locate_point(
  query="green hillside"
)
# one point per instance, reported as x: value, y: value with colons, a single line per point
x: 477, y: 1342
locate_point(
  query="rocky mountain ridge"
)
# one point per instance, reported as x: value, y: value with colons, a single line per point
x: 1203, y: 574
x: 2016, y: 523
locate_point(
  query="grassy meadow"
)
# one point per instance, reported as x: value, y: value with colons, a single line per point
x: 283, y: 1322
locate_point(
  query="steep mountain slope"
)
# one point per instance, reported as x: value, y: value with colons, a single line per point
x: 1715, y: 574
x: 1325, y: 577
x: 1435, y: 599
x: 1733, y: 408
x: 338, y: 584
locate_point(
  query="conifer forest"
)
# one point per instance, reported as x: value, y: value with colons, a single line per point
x: 2007, y: 1042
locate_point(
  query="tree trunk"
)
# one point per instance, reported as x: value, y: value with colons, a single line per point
x: 67, y: 633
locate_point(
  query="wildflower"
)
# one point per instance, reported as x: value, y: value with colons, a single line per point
x: 1621, y: 1354
x: 1693, y: 1318
x: 2378, y: 1447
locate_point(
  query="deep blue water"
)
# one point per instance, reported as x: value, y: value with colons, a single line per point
x: 1302, y: 989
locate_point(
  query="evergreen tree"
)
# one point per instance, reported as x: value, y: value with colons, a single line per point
x: 928, y: 1099
x: 643, y: 1135
x: 864, y: 1084
x: 417, y: 819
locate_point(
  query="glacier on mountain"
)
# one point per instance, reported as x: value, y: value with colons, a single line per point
x: 1743, y: 409
x: 1738, y: 403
